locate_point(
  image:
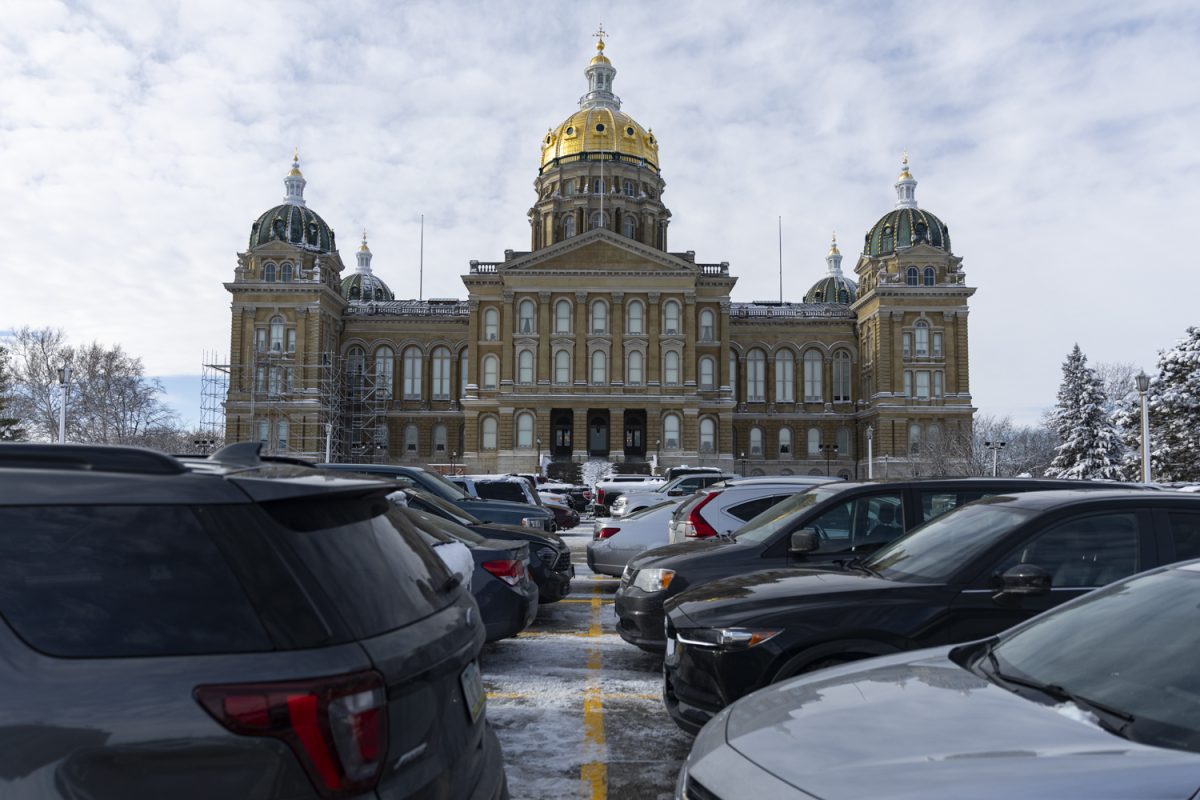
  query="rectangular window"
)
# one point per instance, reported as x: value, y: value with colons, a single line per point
x: 907, y: 384
x: 937, y: 384
x: 291, y: 340
x: 260, y: 339
x: 937, y: 345
x: 922, y: 385
x: 907, y: 339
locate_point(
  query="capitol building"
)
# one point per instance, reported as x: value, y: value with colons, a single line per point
x: 600, y: 340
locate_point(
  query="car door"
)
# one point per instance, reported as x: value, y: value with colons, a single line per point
x: 860, y: 524
x: 931, y: 503
x: 1183, y: 534
x: 1080, y: 552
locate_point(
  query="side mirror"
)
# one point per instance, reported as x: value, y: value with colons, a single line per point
x: 675, y: 493
x: 1024, y: 579
x: 805, y: 540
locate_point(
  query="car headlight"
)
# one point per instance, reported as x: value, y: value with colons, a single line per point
x: 546, y: 554
x: 653, y: 580
x: 726, y: 638
x: 531, y: 522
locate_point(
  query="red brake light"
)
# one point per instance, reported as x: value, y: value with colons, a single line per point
x: 511, y: 571
x: 599, y: 495
x: 337, y: 727
x: 699, y: 529
x: 604, y: 533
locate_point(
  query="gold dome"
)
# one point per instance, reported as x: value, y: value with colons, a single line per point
x: 600, y: 129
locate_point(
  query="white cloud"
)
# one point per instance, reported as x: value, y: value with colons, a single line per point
x: 140, y: 141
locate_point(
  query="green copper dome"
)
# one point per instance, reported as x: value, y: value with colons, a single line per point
x: 832, y: 289
x: 365, y: 288
x: 295, y: 224
x: 904, y: 227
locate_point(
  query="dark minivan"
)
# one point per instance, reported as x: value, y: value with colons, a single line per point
x: 213, y: 628
x: 839, y: 521
x: 967, y: 575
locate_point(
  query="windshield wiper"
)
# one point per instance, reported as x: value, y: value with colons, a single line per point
x: 857, y: 564
x: 1063, y: 695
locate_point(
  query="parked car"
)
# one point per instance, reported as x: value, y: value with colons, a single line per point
x: 501, y: 583
x: 607, y: 491
x: 216, y: 629
x: 550, y: 565
x: 674, y: 472
x: 1095, y: 699
x: 579, y: 497
x: 728, y: 505
x: 851, y: 519
x: 965, y: 575
x: 565, y: 517
x: 489, y: 510
x: 508, y: 488
x: 616, y: 541
x: 682, y: 486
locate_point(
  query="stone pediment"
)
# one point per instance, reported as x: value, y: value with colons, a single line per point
x: 598, y: 251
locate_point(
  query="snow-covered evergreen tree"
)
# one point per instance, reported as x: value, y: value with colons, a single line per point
x: 1089, y: 445
x: 1173, y: 402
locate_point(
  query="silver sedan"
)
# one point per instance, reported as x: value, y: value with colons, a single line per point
x: 617, y: 540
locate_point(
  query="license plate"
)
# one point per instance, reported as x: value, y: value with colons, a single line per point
x: 472, y: 686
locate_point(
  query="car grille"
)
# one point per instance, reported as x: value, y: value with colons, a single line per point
x: 694, y: 790
x: 563, y: 562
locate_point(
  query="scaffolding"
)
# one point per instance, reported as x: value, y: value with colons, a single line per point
x: 326, y: 408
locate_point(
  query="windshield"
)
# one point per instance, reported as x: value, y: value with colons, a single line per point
x: 441, y: 529
x: 935, y: 551
x: 447, y: 509
x: 1131, y: 648
x: 781, y: 515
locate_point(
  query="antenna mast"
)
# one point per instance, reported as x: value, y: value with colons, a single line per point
x: 421, y: 268
x: 781, y: 258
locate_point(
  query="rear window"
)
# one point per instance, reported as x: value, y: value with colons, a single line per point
x: 501, y: 490
x: 116, y: 581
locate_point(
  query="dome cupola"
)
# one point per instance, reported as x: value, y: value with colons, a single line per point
x: 292, y: 221
x: 906, y: 225
x: 363, y: 286
x: 834, y: 287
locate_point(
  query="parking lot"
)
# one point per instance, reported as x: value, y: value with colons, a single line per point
x: 577, y: 710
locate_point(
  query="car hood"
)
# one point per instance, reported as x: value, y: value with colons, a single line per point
x: 776, y: 590
x: 480, y: 507
x: 680, y: 553
x: 529, y: 534
x: 918, y: 725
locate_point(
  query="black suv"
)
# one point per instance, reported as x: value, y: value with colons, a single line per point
x: 228, y: 628
x: 847, y: 520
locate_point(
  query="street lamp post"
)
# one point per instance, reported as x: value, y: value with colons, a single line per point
x: 453, y: 455
x: 870, y: 453
x: 657, y: 454
x: 743, y: 465
x: 829, y: 450
x: 539, y: 455
x: 64, y: 386
x: 1143, y: 386
x: 995, y: 447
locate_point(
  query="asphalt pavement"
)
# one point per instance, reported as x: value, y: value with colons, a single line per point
x: 578, y: 711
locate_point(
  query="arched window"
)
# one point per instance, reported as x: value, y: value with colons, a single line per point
x: 708, y: 327
x: 843, y: 442
x: 733, y: 372
x: 568, y: 190
x: 599, y: 316
x: 281, y: 436
x: 929, y: 276
x: 599, y: 220
x: 412, y: 439
x: 525, y: 367
x: 562, y: 367
x: 785, y: 442
x: 756, y: 372
x: 671, y: 368
x: 264, y: 432
x: 487, y: 433
x: 491, y: 324
x: 635, y: 368
x: 286, y: 272
x: 627, y: 186
x: 439, y: 440
x: 814, y: 442
x: 441, y: 373
x: 635, y: 317
x: 599, y: 367
x: 813, y: 391
x: 629, y: 226
x: 914, y: 438
x: 525, y: 316
x: 569, y: 219
x: 356, y: 363
x: 756, y: 441
x: 913, y: 279
x: 491, y: 371
x: 671, y: 432
x: 525, y: 430
x: 708, y: 372
x: 412, y: 373
x: 562, y: 316
x: 708, y: 435
x: 464, y: 367
x: 269, y: 273
x: 921, y: 335
x: 785, y: 378
x: 841, y: 377
x: 276, y: 334
x: 385, y: 361
x: 670, y: 317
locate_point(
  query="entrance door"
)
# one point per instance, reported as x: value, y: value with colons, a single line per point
x: 598, y: 433
x: 563, y: 426
x: 635, y: 434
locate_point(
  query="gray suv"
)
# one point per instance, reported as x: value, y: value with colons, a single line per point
x: 228, y: 628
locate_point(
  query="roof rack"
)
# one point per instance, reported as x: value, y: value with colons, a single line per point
x: 89, y: 457
x: 249, y: 454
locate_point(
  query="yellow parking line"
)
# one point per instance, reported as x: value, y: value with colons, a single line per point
x: 594, y: 773
x: 582, y: 600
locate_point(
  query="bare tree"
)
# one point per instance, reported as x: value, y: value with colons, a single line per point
x: 1117, y: 378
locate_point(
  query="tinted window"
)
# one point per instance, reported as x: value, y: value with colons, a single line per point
x: 441, y: 529
x: 1086, y: 551
x: 121, y: 581
x: 433, y: 504
x: 377, y: 571
x: 1185, y: 530
x: 501, y: 490
x: 783, y: 515
x: 934, y: 504
x: 752, y: 508
x: 872, y: 519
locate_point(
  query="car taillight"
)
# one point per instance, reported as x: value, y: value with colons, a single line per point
x: 587, y: 495
x: 510, y: 571
x: 337, y: 727
x: 599, y: 495
x: 604, y: 533
x: 696, y: 527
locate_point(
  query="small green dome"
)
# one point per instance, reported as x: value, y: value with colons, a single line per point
x: 832, y: 289
x: 295, y: 224
x: 363, y: 287
x: 904, y: 227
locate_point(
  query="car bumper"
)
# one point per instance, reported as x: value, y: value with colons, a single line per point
x: 507, y: 610
x: 607, y: 561
x: 640, y: 619
x: 700, y: 681
x: 555, y: 584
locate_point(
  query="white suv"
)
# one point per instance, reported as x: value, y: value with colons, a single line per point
x: 725, y: 507
x: 680, y: 487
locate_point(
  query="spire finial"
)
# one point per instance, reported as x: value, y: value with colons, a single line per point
x: 294, y: 182
x: 906, y: 185
x: 364, y: 247
x: 600, y: 34
x: 833, y: 248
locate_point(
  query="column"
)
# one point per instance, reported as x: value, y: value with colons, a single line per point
x: 581, y: 333
x: 653, y: 332
x: 616, y: 434
x: 616, y: 367
x: 723, y: 338
x: 689, y: 339
x: 545, y: 365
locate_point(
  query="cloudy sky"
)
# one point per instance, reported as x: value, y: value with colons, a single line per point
x: 139, y: 140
